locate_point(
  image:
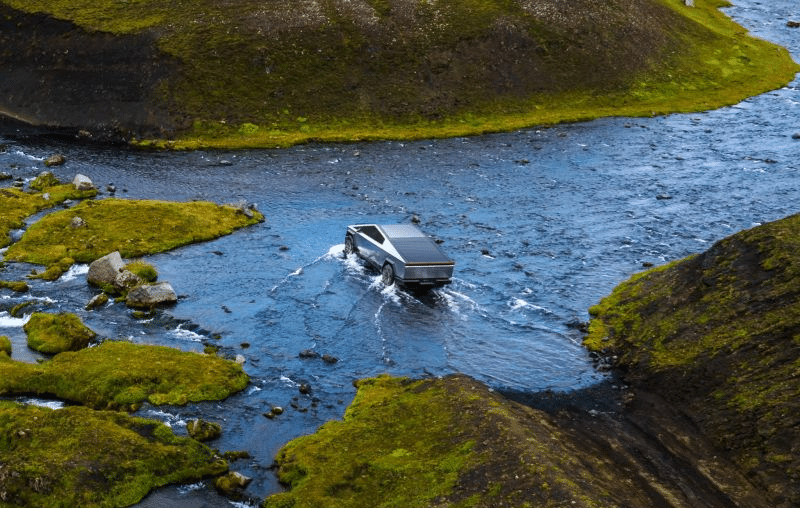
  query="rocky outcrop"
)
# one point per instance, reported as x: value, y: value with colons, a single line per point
x: 147, y: 296
x: 716, y: 335
x: 82, y: 182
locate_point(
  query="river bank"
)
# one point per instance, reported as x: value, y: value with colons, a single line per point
x: 251, y: 76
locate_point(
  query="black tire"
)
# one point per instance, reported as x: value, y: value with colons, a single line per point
x: 349, y: 248
x: 387, y: 275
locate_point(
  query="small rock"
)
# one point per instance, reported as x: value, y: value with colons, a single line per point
x: 202, y: 430
x: 793, y: 24
x: 240, y: 359
x: 329, y: 359
x: 305, y: 388
x: 232, y: 482
x: 149, y: 295
x: 796, y: 135
x: 82, y: 182
x: 126, y: 279
x: 97, y: 301
x: 308, y: 353
x: 46, y: 196
x: 55, y: 160
x: 663, y: 196
x: 77, y: 222
x: 111, y: 188
x: 5, y: 176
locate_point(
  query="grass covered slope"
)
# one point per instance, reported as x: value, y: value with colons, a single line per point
x: 255, y: 73
x: 79, y: 457
x: 719, y: 335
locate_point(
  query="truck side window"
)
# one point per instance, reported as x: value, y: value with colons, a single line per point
x: 372, y: 232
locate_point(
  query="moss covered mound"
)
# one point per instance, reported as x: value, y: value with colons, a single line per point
x: 16, y: 205
x: 454, y: 442
x: 123, y: 375
x: 5, y: 345
x: 132, y: 227
x: 80, y: 457
x: 56, y: 333
x: 255, y: 73
x: 718, y: 334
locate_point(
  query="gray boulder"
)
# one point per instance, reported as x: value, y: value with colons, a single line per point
x: 150, y: 295
x: 105, y: 270
x: 82, y: 182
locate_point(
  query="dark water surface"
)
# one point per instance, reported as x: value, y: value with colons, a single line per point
x: 542, y: 223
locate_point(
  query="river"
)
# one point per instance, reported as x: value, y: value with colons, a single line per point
x: 542, y: 224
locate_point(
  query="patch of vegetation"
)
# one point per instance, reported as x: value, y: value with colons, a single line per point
x: 719, y: 333
x: 264, y: 75
x: 56, y: 333
x: 16, y: 205
x: 18, y: 286
x: 79, y: 457
x: 133, y: 227
x: 122, y: 375
x: 143, y: 270
x: 442, y: 442
x: 5, y: 345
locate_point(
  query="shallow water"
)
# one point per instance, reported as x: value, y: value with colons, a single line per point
x: 542, y: 224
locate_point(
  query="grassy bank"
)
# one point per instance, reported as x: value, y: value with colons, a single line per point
x: 267, y: 75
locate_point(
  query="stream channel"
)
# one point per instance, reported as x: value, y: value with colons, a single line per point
x: 541, y: 222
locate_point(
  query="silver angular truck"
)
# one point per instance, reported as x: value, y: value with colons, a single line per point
x: 401, y: 253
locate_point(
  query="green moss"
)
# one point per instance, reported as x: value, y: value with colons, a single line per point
x: 45, y: 180
x: 122, y: 375
x: 143, y: 270
x: 16, y: 286
x: 134, y: 228
x: 394, y: 448
x: 15, y: 205
x: 56, y: 333
x: 79, y: 457
x: 5, y: 345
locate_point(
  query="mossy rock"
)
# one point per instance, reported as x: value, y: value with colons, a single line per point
x: 80, y: 457
x: 132, y: 227
x: 5, y: 345
x: 717, y: 335
x: 45, y: 180
x: 143, y: 270
x: 117, y: 375
x: 16, y: 286
x: 203, y: 431
x: 56, y: 333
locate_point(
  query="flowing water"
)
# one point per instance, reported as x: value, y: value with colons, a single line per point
x: 542, y: 224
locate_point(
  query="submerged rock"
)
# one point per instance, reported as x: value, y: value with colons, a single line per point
x: 55, y: 160
x: 150, y: 295
x: 231, y: 483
